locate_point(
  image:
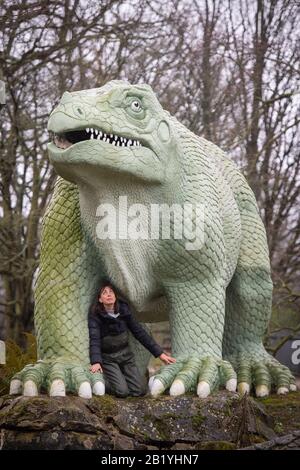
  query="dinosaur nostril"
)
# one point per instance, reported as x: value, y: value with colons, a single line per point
x: 78, y: 111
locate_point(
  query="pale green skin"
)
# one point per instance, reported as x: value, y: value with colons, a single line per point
x: 159, y: 278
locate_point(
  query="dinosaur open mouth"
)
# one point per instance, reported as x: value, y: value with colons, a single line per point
x: 66, y: 139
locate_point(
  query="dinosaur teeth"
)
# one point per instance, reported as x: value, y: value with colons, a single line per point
x: 113, y: 139
x: 68, y: 138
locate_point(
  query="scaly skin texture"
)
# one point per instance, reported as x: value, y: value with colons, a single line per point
x: 217, y: 298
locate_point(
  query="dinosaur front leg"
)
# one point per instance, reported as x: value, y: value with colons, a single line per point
x: 68, y: 277
x: 197, y: 322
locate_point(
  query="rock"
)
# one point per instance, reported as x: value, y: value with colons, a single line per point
x: 221, y: 421
x: 288, y: 442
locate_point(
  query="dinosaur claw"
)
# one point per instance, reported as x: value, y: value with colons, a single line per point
x: 177, y: 388
x: 151, y: 380
x: 262, y: 391
x: 99, y: 388
x: 157, y: 387
x: 231, y: 385
x: 15, y: 387
x: 243, y: 388
x: 30, y: 389
x: 282, y: 390
x: 203, y: 389
x: 85, y: 390
x: 57, y: 388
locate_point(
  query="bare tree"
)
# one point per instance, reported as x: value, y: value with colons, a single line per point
x: 46, y: 48
x: 228, y: 69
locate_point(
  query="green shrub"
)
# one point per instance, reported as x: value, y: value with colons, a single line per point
x: 16, y: 359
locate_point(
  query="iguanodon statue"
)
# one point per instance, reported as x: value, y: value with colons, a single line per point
x: 118, y: 141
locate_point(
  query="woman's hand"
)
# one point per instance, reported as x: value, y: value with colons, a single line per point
x: 96, y: 368
x: 167, y: 359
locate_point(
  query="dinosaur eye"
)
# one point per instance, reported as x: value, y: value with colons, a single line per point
x: 136, y: 106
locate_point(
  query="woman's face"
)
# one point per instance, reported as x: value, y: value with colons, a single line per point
x: 107, y: 296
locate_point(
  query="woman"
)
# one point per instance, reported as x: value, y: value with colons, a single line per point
x: 109, y: 321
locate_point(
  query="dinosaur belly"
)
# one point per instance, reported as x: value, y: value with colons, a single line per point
x: 128, y: 265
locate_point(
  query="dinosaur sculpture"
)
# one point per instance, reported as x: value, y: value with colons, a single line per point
x: 118, y: 141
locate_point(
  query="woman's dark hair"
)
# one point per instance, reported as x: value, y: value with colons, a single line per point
x: 98, y: 307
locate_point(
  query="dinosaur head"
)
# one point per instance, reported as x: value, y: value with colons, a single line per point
x: 117, y: 129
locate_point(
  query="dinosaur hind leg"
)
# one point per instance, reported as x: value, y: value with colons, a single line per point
x: 248, y: 310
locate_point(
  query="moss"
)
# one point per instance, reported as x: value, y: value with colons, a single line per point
x: 107, y: 403
x: 147, y: 417
x: 160, y: 424
x: 145, y: 436
x: 278, y: 427
x: 198, y: 420
x: 285, y: 410
x: 291, y: 399
x: 21, y: 408
x: 170, y: 416
x: 228, y: 410
x: 104, y: 406
x: 162, y: 417
x: 255, y: 439
x: 162, y: 429
x: 216, y: 445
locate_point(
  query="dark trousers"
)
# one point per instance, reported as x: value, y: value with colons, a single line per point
x: 122, y: 377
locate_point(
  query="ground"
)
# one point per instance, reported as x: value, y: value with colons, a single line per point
x: 221, y: 421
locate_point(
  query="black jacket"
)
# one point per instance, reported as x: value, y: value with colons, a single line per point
x: 101, y: 324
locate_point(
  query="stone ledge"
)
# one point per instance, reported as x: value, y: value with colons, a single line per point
x: 288, y: 442
x: 221, y: 421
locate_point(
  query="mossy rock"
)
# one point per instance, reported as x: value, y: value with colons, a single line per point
x: 216, y: 445
x: 285, y: 411
x: 221, y: 421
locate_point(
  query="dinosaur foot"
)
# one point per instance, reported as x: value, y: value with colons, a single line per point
x: 201, y: 375
x: 263, y: 374
x: 58, y: 377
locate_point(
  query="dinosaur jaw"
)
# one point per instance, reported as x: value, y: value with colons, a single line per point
x: 89, y: 154
x: 66, y: 139
x: 91, y: 161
